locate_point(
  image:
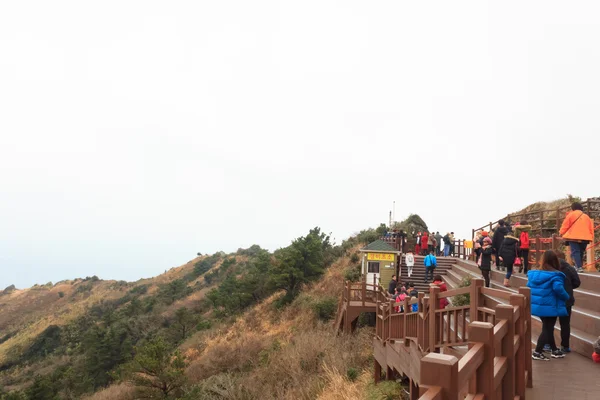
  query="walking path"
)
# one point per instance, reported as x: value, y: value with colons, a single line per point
x: 573, y: 377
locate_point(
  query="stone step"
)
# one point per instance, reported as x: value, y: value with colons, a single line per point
x: 581, y: 340
x: 585, y: 299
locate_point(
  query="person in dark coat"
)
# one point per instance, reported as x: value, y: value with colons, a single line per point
x: 499, y: 233
x: 508, y: 254
x: 572, y: 281
x: 392, y: 285
x: 486, y: 260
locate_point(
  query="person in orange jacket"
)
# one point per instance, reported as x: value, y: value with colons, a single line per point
x: 578, y: 230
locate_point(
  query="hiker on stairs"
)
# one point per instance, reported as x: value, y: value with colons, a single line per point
x: 578, y: 230
x: 508, y: 254
x: 498, y: 238
x: 410, y: 263
x: 430, y: 263
x: 485, y: 260
x: 548, y: 297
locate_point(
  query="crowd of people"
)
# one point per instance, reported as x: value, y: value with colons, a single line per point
x: 552, y: 285
x: 507, y: 249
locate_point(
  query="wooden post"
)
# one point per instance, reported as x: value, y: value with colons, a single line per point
x: 590, y: 264
x: 483, y: 332
x: 538, y: 250
x: 389, y: 374
x: 506, y: 312
x: 441, y: 370
x: 526, y: 292
x: 414, y: 391
x: 364, y: 291
x: 518, y: 300
x: 476, y: 285
x: 377, y: 376
x: 434, y: 291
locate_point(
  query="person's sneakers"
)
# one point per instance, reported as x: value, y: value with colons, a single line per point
x: 558, y: 354
x: 547, y: 349
x: 579, y: 270
x: 539, y: 356
x: 565, y: 349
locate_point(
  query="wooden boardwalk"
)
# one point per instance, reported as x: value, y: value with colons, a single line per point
x: 573, y: 377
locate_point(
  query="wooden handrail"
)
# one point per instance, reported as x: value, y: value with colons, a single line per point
x: 468, y: 364
x: 454, y: 292
x: 498, y: 355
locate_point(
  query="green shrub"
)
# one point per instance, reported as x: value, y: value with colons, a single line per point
x: 462, y: 299
x: 352, y: 273
x: 384, y: 390
x: 354, y: 259
x: 203, y: 324
x: 326, y: 308
x: 352, y: 374
x: 61, y: 294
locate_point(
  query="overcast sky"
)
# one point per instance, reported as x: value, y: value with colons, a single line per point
x: 134, y: 134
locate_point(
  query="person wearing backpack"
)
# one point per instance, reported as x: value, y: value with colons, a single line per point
x: 577, y: 230
x: 522, y: 233
x: 430, y: 263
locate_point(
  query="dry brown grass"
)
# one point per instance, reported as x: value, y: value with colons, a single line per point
x: 339, y: 387
x: 285, y: 354
x: 120, y: 391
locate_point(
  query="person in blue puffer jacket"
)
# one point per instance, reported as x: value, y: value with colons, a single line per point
x: 548, y: 301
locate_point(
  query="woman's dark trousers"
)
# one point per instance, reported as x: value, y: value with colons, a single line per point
x: 547, y: 335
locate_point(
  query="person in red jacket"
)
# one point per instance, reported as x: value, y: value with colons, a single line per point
x: 437, y: 280
x: 418, y: 245
x: 424, y: 239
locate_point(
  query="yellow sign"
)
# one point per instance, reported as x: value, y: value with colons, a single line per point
x: 468, y: 244
x: 380, y: 256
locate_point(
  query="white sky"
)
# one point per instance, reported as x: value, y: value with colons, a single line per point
x: 134, y: 134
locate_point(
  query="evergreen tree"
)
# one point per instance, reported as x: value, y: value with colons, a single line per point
x: 183, y: 324
x: 156, y: 372
x: 301, y: 262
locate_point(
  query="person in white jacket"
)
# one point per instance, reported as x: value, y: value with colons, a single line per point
x: 410, y: 262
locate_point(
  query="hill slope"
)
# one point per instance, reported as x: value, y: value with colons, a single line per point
x: 248, y: 325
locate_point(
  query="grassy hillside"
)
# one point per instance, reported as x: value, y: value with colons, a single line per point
x: 249, y: 325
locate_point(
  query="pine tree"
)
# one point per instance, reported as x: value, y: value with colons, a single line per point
x: 155, y: 371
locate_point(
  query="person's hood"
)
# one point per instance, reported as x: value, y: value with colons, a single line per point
x: 539, y: 277
x: 510, y: 239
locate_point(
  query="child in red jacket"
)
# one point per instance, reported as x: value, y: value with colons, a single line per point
x: 437, y: 280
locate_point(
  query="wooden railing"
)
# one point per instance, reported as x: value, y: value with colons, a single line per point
x: 362, y: 291
x: 547, y: 222
x: 498, y: 362
x: 460, y: 250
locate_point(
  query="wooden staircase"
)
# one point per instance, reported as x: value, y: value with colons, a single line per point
x: 356, y: 298
x: 494, y: 361
x: 585, y: 317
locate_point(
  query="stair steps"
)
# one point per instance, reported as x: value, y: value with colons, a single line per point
x: 585, y: 316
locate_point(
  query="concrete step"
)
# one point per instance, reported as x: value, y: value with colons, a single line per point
x: 582, y: 321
